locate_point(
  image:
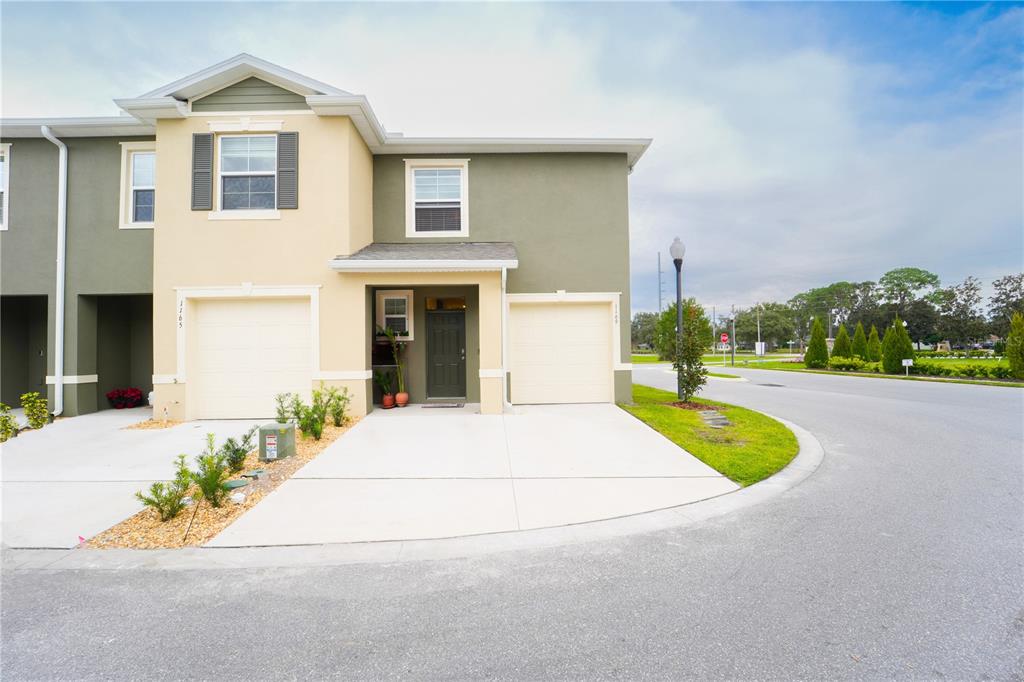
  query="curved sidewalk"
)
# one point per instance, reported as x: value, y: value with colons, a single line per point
x: 806, y: 462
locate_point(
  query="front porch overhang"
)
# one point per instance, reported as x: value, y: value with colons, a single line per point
x: 450, y: 257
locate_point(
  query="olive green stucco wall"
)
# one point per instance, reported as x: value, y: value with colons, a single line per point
x: 567, y: 214
x: 101, y: 258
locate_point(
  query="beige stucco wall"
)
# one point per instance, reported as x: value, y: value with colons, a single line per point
x: 190, y: 250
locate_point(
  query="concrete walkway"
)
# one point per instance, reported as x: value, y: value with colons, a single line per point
x: 433, y: 473
x: 78, y: 476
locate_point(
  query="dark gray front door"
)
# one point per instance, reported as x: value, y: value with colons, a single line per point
x: 446, y: 354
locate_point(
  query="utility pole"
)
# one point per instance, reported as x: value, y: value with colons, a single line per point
x: 732, y: 346
x: 758, y: 328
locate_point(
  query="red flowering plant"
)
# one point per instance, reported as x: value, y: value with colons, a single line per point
x: 121, y: 398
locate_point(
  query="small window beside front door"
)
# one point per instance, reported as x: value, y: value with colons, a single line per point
x: 394, y: 311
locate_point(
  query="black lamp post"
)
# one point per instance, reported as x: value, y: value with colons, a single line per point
x: 677, y: 251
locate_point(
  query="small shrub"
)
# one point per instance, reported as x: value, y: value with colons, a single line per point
x: 1015, y: 346
x: 233, y: 451
x: 845, y: 364
x: 8, y: 424
x: 999, y: 347
x: 842, y: 346
x: 1000, y: 372
x: 210, y: 474
x: 283, y: 407
x: 168, y: 499
x: 816, y: 356
x: 337, y: 404
x: 35, y: 409
x: 121, y: 398
x: 311, y: 418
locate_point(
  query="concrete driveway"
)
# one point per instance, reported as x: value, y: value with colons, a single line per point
x: 422, y: 473
x: 78, y: 476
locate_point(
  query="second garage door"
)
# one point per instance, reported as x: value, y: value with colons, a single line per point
x: 560, y: 352
x: 246, y: 351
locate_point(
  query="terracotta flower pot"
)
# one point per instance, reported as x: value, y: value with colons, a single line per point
x: 387, y: 401
x: 402, y: 399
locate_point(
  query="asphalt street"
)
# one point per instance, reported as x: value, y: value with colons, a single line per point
x: 901, y: 557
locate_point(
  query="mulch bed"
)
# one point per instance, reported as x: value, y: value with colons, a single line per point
x: 151, y: 424
x: 145, y: 530
x: 700, y: 407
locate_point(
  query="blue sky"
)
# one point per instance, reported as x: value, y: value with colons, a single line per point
x: 795, y: 144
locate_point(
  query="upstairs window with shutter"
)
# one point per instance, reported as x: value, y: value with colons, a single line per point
x: 247, y: 172
x: 437, y: 197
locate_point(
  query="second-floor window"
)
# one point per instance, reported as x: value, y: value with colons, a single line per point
x: 437, y: 191
x: 248, y: 172
x: 143, y: 189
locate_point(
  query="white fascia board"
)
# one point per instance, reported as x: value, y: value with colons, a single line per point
x: 633, y: 148
x: 96, y: 126
x: 152, y: 108
x: 357, y: 108
x: 346, y: 265
x: 237, y: 68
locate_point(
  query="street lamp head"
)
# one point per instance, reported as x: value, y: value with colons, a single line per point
x: 677, y: 250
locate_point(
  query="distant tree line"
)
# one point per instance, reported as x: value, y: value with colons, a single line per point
x: 932, y: 312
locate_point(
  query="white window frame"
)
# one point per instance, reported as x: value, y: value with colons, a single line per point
x: 128, y: 150
x: 222, y: 213
x: 5, y: 150
x: 404, y: 294
x: 412, y: 165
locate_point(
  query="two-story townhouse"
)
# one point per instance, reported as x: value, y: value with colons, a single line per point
x: 290, y: 228
x: 64, y: 180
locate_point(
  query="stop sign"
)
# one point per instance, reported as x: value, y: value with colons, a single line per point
x: 725, y: 338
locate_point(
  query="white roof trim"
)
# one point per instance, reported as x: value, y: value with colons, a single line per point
x: 235, y: 69
x: 152, y: 108
x: 633, y: 148
x: 95, y: 126
x: 356, y: 107
x: 461, y: 265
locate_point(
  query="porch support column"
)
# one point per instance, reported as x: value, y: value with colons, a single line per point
x: 491, y: 333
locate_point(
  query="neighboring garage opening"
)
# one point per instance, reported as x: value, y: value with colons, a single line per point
x: 561, y: 352
x: 22, y: 347
x: 124, y: 344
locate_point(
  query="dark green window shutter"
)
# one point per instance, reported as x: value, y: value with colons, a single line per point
x: 287, y: 170
x: 202, y: 171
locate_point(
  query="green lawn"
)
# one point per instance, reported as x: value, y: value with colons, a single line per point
x: 753, y: 448
x: 799, y: 367
x: 640, y: 358
x: 723, y: 376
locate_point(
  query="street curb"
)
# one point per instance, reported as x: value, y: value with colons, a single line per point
x: 806, y: 462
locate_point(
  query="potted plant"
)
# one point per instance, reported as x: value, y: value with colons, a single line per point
x: 401, y: 396
x: 383, y: 381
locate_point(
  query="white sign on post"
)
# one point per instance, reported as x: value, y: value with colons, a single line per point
x: 907, y: 364
x: 759, y: 348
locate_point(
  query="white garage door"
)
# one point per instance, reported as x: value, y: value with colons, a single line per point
x: 560, y: 352
x: 244, y: 352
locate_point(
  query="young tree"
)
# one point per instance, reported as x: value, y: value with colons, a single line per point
x: 817, y: 350
x: 1015, y: 346
x: 860, y: 343
x: 687, y: 362
x: 642, y: 329
x: 665, y: 329
x: 874, y: 345
x: 842, y: 348
x: 1007, y: 299
x: 896, y: 347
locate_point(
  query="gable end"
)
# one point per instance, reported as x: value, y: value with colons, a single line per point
x: 251, y: 94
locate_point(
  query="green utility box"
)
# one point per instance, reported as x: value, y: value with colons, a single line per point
x: 276, y: 441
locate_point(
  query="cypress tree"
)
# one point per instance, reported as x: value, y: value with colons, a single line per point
x: 817, y: 350
x: 1015, y: 346
x: 860, y: 343
x: 841, y: 348
x: 874, y: 346
x: 896, y: 346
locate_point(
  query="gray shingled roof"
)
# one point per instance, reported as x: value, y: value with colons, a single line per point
x: 469, y: 251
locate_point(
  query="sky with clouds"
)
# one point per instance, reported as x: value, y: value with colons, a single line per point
x: 794, y: 144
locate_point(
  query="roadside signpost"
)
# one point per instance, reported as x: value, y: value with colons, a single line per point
x: 725, y: 339
x: 907, y: 364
